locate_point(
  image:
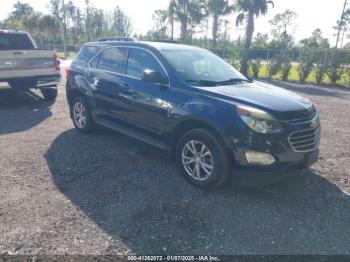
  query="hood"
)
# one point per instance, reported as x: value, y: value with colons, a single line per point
x: 266, y: 96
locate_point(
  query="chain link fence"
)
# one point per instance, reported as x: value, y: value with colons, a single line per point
x: 322, y: 66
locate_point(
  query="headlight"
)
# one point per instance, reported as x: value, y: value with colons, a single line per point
x: 258, y: 120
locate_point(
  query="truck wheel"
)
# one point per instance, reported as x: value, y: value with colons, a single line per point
x: 81, y: 116
x: 50, y: 94
x: 203, y: 158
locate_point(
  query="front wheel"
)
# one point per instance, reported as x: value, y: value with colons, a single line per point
x: 81, y: 115
x: 203, y: 158
x: 50, y: 94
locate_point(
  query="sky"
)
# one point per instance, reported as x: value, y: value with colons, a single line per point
x: 312, y: 14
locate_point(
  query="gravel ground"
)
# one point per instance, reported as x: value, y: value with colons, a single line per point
x: 67, y: 193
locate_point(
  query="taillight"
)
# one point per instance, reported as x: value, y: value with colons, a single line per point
x: 57, y: 62
x: 67, y: 73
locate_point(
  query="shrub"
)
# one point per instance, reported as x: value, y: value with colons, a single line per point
x: 256, y: 67
x: 286, y: 67
x: 319, y: 72
x: 306, y: 64
x: 334, y: 69
x: 280, y: 63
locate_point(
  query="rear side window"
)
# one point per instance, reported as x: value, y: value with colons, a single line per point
x: 86, y: 54
x: 140, y: 60
x: 113, y: 59
x: 15, y: 42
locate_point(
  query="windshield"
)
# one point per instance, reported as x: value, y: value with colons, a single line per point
x: 201, y: 67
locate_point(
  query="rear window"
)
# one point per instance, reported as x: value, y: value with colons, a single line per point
x: 86, y: 54
x: 112, y: 59
x: 15, y: 42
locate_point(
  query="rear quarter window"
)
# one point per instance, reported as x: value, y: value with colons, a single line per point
x: 15, y: 42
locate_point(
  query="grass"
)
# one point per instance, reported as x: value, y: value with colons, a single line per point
x: 71, y: 55
x: 294, y: 76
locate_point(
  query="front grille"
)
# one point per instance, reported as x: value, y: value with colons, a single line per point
x: 305, y: 140
x: 304, y: 120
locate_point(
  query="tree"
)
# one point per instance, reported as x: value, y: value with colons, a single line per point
x: 160, y: 19
x: 340, y: 23
x: 261, y: 41
x: 122, y: 23
x: 281, y: 22
x: 187, y: 12
x: 342, y: 27
x: 249, y: 10
x: 21, y: 10
x: 217, y: 9
x: 316, y: 40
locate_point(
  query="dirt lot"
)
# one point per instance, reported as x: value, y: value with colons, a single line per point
x: 66, y: 193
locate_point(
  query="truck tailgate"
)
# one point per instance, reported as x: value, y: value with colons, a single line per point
x: 27, y: 63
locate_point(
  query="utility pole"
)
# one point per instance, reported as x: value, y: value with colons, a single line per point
x: 340, y: 24
x: 64, y: 31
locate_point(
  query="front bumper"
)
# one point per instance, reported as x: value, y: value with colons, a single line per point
x: 294, y: 149
x: 250, y: 175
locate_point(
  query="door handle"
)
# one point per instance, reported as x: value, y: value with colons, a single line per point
x: 96, y: 81
x: 19, y: 53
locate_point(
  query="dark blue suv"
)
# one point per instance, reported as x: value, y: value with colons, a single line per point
x: 213, y: 121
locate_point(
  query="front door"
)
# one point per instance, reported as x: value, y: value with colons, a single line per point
x: 146, y: 105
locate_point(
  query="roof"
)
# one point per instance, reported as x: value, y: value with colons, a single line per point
x: 157, y: 45
x: 12, y: 32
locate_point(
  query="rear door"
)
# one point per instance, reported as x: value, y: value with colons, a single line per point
x: 107, y: 80
x: 19, y: 57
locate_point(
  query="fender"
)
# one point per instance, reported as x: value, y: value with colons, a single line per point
x: 212, y: 113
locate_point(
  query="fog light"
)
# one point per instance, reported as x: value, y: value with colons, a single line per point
x: 258, y: 158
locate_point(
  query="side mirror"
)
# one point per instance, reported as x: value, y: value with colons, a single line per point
x: 154, y: 77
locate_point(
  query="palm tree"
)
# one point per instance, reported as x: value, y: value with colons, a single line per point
x: 186, y: 12
x: 216, y: 9
x: 250, y: 9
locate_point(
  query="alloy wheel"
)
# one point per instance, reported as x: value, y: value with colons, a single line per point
x: 197, y: 160
x: 79, y: 114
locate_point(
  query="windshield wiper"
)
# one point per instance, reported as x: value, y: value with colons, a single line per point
x: 217, y: 83
x: 235, y: 80
x: 203, y: 82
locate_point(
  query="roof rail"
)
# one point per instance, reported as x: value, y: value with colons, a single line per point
x: 106, y: 39
x: 166, y: 41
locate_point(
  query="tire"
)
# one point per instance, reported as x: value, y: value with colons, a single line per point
x: 50, y: 94
x: 81, y: 115
x: 214, y: 167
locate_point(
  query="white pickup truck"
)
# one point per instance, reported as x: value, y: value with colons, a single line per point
x: 23, y: 66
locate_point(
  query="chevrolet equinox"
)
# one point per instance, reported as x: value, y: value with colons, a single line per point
x: 213, y: 121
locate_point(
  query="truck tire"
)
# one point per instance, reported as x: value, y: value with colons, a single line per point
x: 50, y: 94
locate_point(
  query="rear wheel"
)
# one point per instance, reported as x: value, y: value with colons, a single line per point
x: 50, y: 94
x: 81, y: 116
x: 203, y: 158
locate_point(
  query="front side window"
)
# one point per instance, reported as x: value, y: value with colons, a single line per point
x: 112, y: 59
x: 196, y: 66
x: 140, y: 60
